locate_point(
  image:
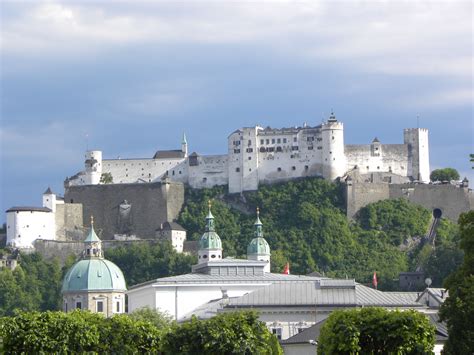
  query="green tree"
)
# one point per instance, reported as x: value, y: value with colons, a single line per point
x: 458, y: 309
x: 152, y: 316
x: 376, y: 331
x: 228, y: 333
x: 446, y: 174
x: 142, y: 262
x: 106, y: 178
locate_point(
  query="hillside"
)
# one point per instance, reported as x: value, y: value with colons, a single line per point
x: 305, y: 224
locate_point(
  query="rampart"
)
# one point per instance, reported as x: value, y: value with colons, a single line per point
x: 128, y: 209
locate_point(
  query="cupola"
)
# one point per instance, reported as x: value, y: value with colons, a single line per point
x: 258, y: 248
x: 210, y: 245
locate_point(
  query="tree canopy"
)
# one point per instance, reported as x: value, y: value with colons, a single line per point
x: 446, y: 174
x: 458, y: 309
x: 376, y: 331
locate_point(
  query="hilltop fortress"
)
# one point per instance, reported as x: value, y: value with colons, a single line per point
x: 265, y: 155
x: 139, y: 199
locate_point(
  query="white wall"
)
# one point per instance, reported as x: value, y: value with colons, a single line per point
x: 24, y: 227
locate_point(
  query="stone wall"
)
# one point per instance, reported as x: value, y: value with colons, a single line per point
x: 450, y: 199
x: 133, y: 209
x: 69, y: 222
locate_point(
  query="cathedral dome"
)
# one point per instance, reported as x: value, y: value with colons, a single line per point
x: 258, y: 246
x: 94, y: 274
x: 210, y: 240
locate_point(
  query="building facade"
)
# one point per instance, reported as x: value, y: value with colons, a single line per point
x: 258, y: 155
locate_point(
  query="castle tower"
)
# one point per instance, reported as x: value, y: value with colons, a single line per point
x: 93, y: 167
x: 94, y: 283
x: 210, y: 245
x: 184, y: 145
x: 418, y: 153
x: 258, y: 248
x: 49, y: 200
x: 334, y: 160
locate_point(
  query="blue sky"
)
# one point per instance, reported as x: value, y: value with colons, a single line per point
x: 128, y: 78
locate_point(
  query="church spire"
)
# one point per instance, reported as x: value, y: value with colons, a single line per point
x: 258, y: 225
x: 209, y: 219
x: 92, y: 244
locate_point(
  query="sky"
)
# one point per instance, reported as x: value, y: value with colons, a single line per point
x: 128, y: 78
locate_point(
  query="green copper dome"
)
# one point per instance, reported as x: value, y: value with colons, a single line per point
x: 94, y: 274
x: 258, y: 245
x: 210, y: 239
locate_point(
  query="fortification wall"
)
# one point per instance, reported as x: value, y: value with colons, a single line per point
x: 359, y: 194
x: 69, y: 222
x: 138, y: 170
x: 390, y: 158
x: 134, y: 209
x: 450, y: 199
x: 208, y: 171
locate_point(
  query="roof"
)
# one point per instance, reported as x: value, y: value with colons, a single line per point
x: 92, y: 237
x: 94, y: 274
x: 190, y: 246
x: 258, y: 246
x: 28, y: 209
x: 224, y: 279
x: 311, y: 333
x: 376, y: 140
x: 439, y: 294
x: 171, y: 226
x: 48, y: 191
x: 323, y: 292
x: 168, y: 154
x: 210, y: 240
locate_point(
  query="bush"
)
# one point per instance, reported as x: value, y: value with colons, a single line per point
x: 446, y: 174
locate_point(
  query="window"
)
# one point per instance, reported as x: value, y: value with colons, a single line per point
x: 237, y: 170
x: 204, y: 179
x: 319, y: 148
x: 270, y: 149
x: 250, y: 158
x: 249, y: 150
x: 213, y: 256
x: 293, y: 168
x: 278, y: 140
x: 273, y: 140
x: 279, y: 169
x: 117, y: 306
x: 306, y: 167
x: 284, y: 140
x: 294, y: 139
x: 249, y: 142
x: 279, y: 149
x: 236, y: 151
x: 100, y: 306
x: 268, y: 141
x: 310, y: 147
x: 261, y: 141
x: 277, y: 333
x: 262, y: 150
x: 295, y: 147
x: 78, y: 305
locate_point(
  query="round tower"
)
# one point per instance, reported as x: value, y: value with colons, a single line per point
x: 94, y: 283
x: 258, y: 248
x: 334, y: 160
x: 93, y: 167
x: 210, y: 245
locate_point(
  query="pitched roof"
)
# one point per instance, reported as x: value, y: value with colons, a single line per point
x: 48, y: 191
x: 171, y: 226
x: 304, y: 337
x: 168, y: 154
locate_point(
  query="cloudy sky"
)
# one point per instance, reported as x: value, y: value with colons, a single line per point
x: 128, y: 78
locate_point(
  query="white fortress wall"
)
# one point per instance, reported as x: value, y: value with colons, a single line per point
x: 24, y: 227
x: 139, y: 170
x: 235, y: 161
x: 207, y: 171
x: 392, y: 157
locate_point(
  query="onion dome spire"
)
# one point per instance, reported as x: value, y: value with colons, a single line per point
x: 210, y: 219
x: 258, y: 225
x: 92, y: 244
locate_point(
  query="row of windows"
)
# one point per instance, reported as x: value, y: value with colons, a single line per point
x: 306, y: 167
x: 99, y: 306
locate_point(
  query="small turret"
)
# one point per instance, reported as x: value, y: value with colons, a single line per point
x: 210, y: 245
x: 92, y: 244
x: 49, y: 200
x: 258, y: 248
x: 184, y: 145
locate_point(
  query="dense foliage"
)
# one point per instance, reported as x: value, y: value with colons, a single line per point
x: 458, y: 309
x: 376, y: 331
x: 35, y: 285
x: 228, y: 333
x: 446, y: 174
x: 82, y: 331
x: 142, y: 262
x: 305, y: 224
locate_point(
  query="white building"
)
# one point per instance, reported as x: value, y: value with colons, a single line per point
x: 258, y: 155
x: 288, y: 304
x: 54, y: 220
